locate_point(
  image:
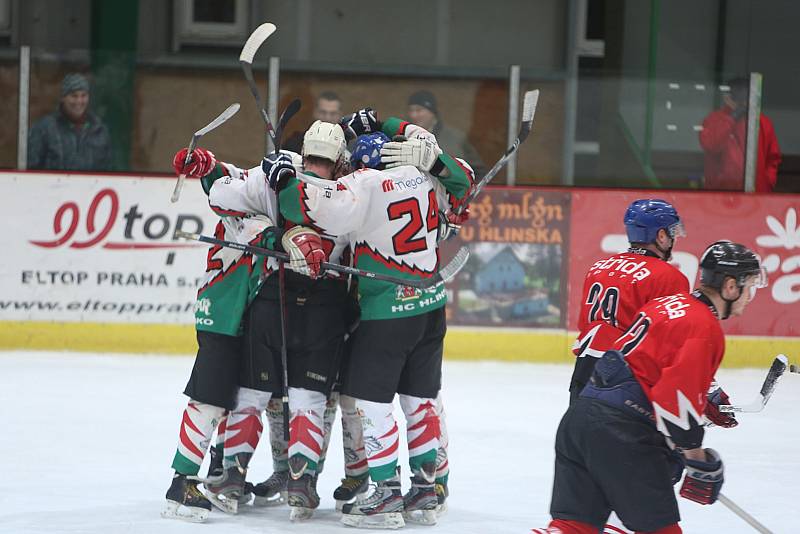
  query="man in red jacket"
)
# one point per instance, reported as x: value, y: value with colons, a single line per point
x: 724, y: 138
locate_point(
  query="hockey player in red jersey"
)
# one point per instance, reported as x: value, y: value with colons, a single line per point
x: 616, y: 287
x: 647, y: 396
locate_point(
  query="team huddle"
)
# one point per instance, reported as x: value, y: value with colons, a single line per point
x: 641, y: 393
x: 336, y: 340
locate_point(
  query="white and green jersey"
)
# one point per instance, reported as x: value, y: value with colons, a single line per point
x: 232, y: 276
x: 235, y: 192
x: 391, y: 220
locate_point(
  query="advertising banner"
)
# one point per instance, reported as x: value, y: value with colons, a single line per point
x: 766, y: 223
x: 515, y: 274
x: 91, y: 248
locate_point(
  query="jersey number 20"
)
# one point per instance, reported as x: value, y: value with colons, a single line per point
x: 603, y: 303
x: 404, y: 241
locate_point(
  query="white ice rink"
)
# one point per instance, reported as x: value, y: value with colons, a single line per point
x: 89, y: 440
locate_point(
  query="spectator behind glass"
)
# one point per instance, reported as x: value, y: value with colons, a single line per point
x: 423, y: 112
x: 724, y: 138
x: 72, y: 138
x: 328, y: 108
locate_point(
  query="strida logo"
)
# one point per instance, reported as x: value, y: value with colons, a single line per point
x: 101, y: 218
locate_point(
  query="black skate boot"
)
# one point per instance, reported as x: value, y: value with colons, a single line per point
x: 228, y: 492
x: 383, y: 508
x: 350, y: 488
x: 185, y: 501
x: 302, y: 489
x: 215, y: 465
x: 421, y: 500
x: 271, y: 492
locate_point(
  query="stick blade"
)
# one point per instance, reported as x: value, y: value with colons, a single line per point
x: 449, y: 271
x: 229, y: 112
x: 529, y: 103
x: 255, y: 41
x: 779, y: 366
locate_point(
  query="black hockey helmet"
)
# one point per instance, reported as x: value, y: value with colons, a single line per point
x: 725, y: 258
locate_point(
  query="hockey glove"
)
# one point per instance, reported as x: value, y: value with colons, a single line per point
x: 450, y: 223
x: 304, y: 247
x: 361, y: 122
x: 278, y: 169
x: 420, y: 153
x: 200, y: 164
x: 703, y: 479
x: 718, y: 397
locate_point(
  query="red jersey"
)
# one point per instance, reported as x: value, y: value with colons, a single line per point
x: 673, y: 349
x: 614, y: 290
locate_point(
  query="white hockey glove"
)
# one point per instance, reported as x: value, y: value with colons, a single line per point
x: 420, y: 153
x: 304, y: 247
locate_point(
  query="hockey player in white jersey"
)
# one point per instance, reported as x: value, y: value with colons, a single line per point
x: 315, y: 320
x: 391, y: 218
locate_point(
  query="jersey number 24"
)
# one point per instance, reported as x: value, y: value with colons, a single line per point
x: 404, y: 241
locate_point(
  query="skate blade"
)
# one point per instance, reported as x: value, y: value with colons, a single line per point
x: 278, y: 499
x: 229, y: 506
x: 390, y: 521
x: 421, y: 517
x: 441, y: 509
x: 175, y: 510
x: 298, y: 513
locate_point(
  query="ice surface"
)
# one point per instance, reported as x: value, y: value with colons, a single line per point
x: 89, y: 440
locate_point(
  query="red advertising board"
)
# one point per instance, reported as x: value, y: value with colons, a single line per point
x: 766, y: 223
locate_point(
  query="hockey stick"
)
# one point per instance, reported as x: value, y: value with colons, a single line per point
x: 222, y: 117
x: 444, y: 275
x: 246, y: 57
x: 776, y: 370
x: 752, y: 521
x: 528, y: 111
x: 289, y: 112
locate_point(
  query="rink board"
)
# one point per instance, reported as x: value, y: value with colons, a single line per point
x: 97, y: 266
x: 536, y: 346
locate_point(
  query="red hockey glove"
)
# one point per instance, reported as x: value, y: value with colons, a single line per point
x: 201, y: 163
x: 304, y: 247
x: 703, y: 479
x: 716, y: 398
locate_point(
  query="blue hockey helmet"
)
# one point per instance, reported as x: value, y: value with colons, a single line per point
x: 645, y: 217
x: 367, y: 150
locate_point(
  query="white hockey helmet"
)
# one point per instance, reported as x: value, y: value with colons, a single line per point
x: 324, y: 140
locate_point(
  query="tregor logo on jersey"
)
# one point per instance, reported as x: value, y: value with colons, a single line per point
x: 404, y: 293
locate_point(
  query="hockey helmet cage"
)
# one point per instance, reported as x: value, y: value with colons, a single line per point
x: 725, y: 258
x: 367, y: 150
x: 645, y: 217
x: 324, y: 140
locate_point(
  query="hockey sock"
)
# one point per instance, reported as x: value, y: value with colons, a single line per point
x: 244, y: 426
x: 380, y: 430
x: 327, y: 420
x: 567, y: 526
x: 442, y: 459
x: 306, y: 427
x: 671, y: 529
x: 422, y: 430
x: 277, y: 441
x: 355, y: 458
x: 197, y: 426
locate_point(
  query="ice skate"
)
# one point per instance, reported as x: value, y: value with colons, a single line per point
x: 382, y: 509
x: 442, y: 493
x: 229, y: 491
x: 302, y: 490
x: 185, y: 501
x: 271, y: 492
x: 349, y: 489
x: 214, y: 465
x: 421, y: 501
